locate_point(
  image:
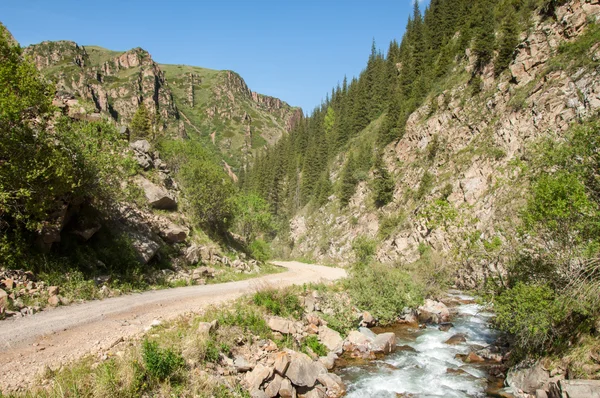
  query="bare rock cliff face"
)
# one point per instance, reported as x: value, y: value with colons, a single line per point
x: 479, y: 146
x: 116, y: 85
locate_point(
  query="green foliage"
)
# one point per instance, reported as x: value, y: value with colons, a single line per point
x: 509, y: 39
x: 260, y: 250
x: 252, y: 216
x: 348, y: 181
x: 382, y: 290
x: 382, y: 184
x: 425, y: 185
x: 560, y: 203
x: 388, y: 224
x: 530, y: 313
x: 160, y: 363
x: 207, y: 188
x: 312, y: 343
x: 364, y: 248
x: 140, y: 125
x: 438, y: 214
x: 280, y: 302
x: 245, y: 317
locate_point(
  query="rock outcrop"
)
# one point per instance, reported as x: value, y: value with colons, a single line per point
x: 475, y: 144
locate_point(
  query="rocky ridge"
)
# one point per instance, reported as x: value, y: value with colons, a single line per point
x: 470, y: 147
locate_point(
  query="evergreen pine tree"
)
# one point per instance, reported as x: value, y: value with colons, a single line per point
x: 382, y: 184
x: 348, y: 181
x: 509, y: 39
x: 140, y: 123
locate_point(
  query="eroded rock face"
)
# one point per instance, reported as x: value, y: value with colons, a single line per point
x: 481, y: 142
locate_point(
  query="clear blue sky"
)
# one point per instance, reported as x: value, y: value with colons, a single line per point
x: 295, y: 50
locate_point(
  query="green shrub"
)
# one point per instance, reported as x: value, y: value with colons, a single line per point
x: 160, y: 363
x: 425, y: 185
x: 260, y: 250
x: 280, y: 302
x: 382, y: 290
x: 245, y: 317
x: 530, y: 313
x: 313, y: 343
x: 389, y: 224
x: 364, y: 248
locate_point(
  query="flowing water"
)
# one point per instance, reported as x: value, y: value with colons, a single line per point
x: 424, y: 366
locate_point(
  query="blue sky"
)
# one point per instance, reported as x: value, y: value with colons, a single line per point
x: 294, y: 50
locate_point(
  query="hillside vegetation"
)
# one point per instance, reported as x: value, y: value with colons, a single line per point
x: 466, y: 155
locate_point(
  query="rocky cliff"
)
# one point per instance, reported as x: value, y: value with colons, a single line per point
x: 469, y: 148
x: 183, y: 101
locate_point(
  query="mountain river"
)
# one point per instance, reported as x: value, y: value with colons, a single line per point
x: 424, y: 365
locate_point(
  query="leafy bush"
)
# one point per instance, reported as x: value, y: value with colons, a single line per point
x: 252, y: 216
x: 364, y: 248
x: 388, y: 224
x: 313, y: 343
x: 160, y: 363
x: 280, y: 302
x: 425, y: 185
x: 245, y: 317
x: 260, y: 250
x: 530, y: 313
x: 382, y: 290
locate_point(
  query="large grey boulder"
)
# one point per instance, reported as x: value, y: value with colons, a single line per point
x: 528, y: 380
x: 158, y: 197
x: 141, y: 146
x: 331, y: 339
x: 303, y: 371
x: 580, y: 388
x: 173, y: 233
x: 384, y: 343
x: 145, y: 247
x: 259, y: 374
x: 333, y: 383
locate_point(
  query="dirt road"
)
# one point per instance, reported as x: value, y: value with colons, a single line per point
x: 50, y: 338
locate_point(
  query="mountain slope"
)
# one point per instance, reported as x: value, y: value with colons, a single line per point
x: 215, y: 107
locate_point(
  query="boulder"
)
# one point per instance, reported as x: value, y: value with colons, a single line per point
x: 474, y: 358
x: 145, y: 247
x: 528, y: 379
x: 272, y: 388
x: 242, y: 365
x: 281, y: 325
x: 3, y: 299
x: 303, y: 371
x: 54, y: 301
x: 359, y: 345
x: 282, y: 361
x: 259, y: 374
x: 195, y: 254
x: 457, y: 339
x: 329, y: 360
x: 141, y: 146
x: 384, y: 343
x: 204, y: 328
x: 333, y: 383
x: 53, y: 290
x: 174, y: 234
x: 158, y: 197
x: 287, y: 390
x: 367, y: 319
x: 580, y: 388
x: 331, y: 339
x: 445, y: 326
x: 433, y: 312
x: 368, y: 332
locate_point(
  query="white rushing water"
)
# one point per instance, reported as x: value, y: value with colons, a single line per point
x: 432, y: 369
